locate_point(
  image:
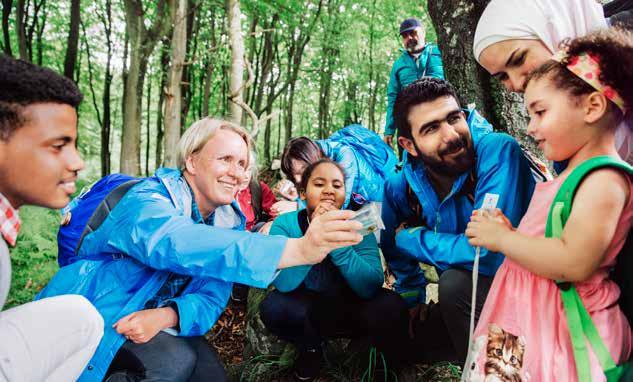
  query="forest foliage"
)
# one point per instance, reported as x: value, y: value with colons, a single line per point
x: 311, y: 66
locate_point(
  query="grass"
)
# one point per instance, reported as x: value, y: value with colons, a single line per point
x: 34, y: 258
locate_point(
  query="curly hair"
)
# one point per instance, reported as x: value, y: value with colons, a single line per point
x: 426, y: 89
x: 23, y: 84
x: 613, y: 48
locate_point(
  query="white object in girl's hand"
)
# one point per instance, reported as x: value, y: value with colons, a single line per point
x: 369, y: 217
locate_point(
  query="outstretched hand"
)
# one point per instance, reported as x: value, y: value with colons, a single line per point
x: 488, y: 229
x: 326, y: 233
x: 141, y: 326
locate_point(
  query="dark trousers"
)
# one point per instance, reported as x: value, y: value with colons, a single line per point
x: 166, y: 358
x: 443, y: 336
x: 306, y: 318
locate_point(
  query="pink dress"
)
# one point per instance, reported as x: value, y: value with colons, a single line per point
x: 522, y: 331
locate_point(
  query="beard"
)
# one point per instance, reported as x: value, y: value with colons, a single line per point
x: 445, y: 164
x: 414, y: 46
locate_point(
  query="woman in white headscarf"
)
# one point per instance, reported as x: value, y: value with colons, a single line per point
x: 514, y: 37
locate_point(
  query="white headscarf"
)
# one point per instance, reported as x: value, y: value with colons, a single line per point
x: 550, y: 21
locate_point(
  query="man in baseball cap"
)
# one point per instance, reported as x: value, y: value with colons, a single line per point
x: 418, y: 59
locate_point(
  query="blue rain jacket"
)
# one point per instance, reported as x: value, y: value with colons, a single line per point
x: 366, y: 159
x: 405, y: 71
x: 500, y: 168
x: 150, y: 234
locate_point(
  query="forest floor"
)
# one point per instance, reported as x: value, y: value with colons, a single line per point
x: 228, y: 339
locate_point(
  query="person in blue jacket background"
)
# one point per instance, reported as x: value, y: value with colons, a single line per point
x: 452, y: 160
x: 159, y: 269
x: 340, y: 297
x: 366, y: 159
x: 418, y: 59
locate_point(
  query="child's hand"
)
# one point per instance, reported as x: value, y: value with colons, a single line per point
x: 487, y: 229
x: 322, y: 208
x: 140, y: 327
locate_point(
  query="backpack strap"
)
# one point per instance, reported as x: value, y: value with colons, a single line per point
x: 104, y: 208
x: 579, y: 321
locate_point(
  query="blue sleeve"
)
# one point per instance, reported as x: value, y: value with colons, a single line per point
x: 410, y: 280
x: 145, y: 225
x: 435, y: 67
x: 360, y: 266
x: 198, y: 311
x: 345, y: 156
x: 502, y: 170
x: 393, y: 88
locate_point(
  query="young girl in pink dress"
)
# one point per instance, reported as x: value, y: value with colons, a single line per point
x: 522, y: 332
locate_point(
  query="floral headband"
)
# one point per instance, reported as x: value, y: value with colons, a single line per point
x: 587, y: 67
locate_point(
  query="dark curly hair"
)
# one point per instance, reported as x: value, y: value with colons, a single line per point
x: 307, y: 173
x: 426, y: 89
x: 302, y: 149
x: 613, y: 48
x: 24, y: 83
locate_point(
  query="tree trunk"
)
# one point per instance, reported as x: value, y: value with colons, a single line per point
x: 73, y: 40
x: 173, y: 98
x: 130, y: 137
x: 295, y: 56
x: 142, y: 42
x: 236, y: 41
x: 208, y: 77
x: 266, y: 66
x: 164, y: 63
x: 20, y: 20
x: 6, y: 12
x: 191, y: 51
x: 41, y: 24
x: 372, y: 81
x: 147, y: 121
x: 106, y: 19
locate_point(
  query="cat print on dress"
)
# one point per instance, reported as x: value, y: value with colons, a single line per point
x: 504, y: 356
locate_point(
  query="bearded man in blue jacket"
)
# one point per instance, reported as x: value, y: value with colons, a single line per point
x: 452, y: 160
x: 159, y: 268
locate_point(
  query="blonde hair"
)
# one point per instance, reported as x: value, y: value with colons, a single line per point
x: 200, y: 132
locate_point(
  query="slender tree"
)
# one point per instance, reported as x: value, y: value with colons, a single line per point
x: 142, y: 41
x: 173, y: 97
x: 7, y: 5
x: 73, y: 39
x: 236, y: 41
x: 19, y: 22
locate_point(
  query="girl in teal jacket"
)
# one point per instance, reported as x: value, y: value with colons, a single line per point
x: 340, y: 297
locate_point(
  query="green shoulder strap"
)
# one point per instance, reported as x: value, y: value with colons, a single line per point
x: 578, y: 319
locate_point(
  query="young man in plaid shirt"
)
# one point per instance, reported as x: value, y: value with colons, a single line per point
x: 51, y: 339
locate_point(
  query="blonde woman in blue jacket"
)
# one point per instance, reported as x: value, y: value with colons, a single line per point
x: 341, y: 297
x: 160, y: 267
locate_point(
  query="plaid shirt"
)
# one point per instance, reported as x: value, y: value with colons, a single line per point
x: 175, y: 283
x: 9, y: 221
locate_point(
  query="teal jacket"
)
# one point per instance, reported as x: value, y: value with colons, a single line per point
x: 150, y: 234
x: 359, y: 265
x: 407, y: 70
